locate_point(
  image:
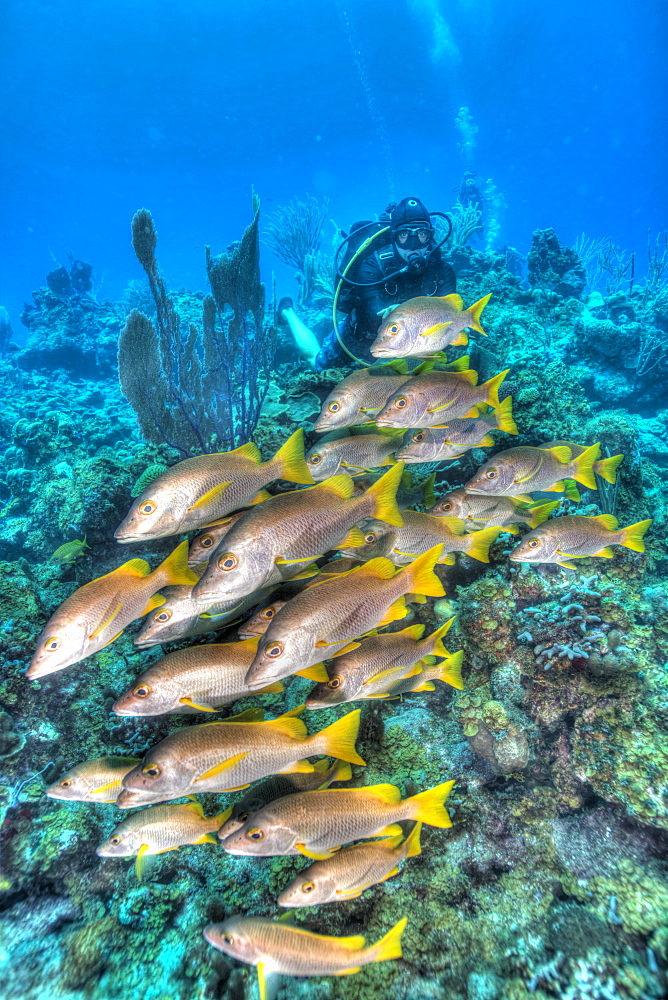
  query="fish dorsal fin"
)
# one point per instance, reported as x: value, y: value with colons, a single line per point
x: 348, y: 648
x: 469, y: 375
x: 340, y: 486
x: 413, y: 631
x: 380, y: 568
x: 210, y: 496
x: 454, y: 300
x: 560, y: 452
x: 288, y: 725
x: 195, y: 807
x: 156, y: 601
x: 608, y: 521
x: 383, y: 793
x: 133, y: 567
x: 249, y: 450
x: 453, y: 525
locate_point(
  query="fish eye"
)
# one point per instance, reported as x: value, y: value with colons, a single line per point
x: 255, y: 833
x: 206, y: 541
x: 393, y: 329
x: 447, y: 505
x: 66, y: 782
x: 142, y: 691
x: 53, y: 643
x: 401, y: 402
x: 268, y: 613
x: 315, y: 459
x: 370, y: 537
x: 148, y: 507
x: 242, y: 817
x: 308, y: 887
x: 115, y: 840
x: 491, y: 474
x: 228, y: 939
x: 334, y: 407
x: 334, y: 683
x: 162, y: 616
x: 274, y: 649
x: 533, y: 544
x: 227, y: 561
x: 419, y: 436
x: 151, y: 770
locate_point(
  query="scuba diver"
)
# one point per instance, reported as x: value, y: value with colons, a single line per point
x: 385, y: 263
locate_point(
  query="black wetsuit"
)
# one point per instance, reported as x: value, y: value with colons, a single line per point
x: 358, y: 330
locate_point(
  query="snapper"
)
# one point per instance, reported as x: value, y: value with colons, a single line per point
x: 521, y: 471
x: 434, y: 399
x: 424, y: 325
x: 575, y: 536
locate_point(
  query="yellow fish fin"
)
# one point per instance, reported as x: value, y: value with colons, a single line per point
x: 274, y: 688
x: 523, y: 497
x: 413, y: 631
x: 426, y: 686
x: 476, y: 312
x: 429, y: 807
x: 384, y: 496
x: 396, y: 611
x: 174, y: 570
x: 107, y: 621
x: 393, y: 673
x: 196, y: 807
x: 348, y: 972
x: 340, y: 486
x: 291, y: 562
x: 392, y: 830
x: 512, y: 529
x: 584, y: 466
x: 348, y: 648
x: 467, y: 375
x: 352, y: 894
x: 480, y: 541
x: 223, y: 766
x: 251, y: 714
x: 353, y: 539
x: 380, y: 567
x: 454, y: 300
x: 408, y: 555
x: 415, y: 599
x: 105, y: 788
x: 153, y: 602
x: 206, y: 838
x: 420, y: 577
x: 318, y: 673
x: 389, y: 946
x: 389, y: 794
x: 390, y: 874
x: 194, y: 704
x: 538, y: 515
x: 443, y: 406
x: 249, y: 450
x: 290, y: 457
x: 557, y: 487
x: 460, y: 365
x: 454, y: 525
x: 342, y: 772
x: 140, y: 862
x: 260, y: 497
x: 133, y: 567
x: 632, y: 537
x: 607, y: 468
x: 399, y: 365
x: 436, y: 329
x: 492, y: 387
x: 298, y: 767
x: 437, y: 647
x: 486, y: 442
x: 608, y: 521
x: 461, y: 340
x: 378, y: 697
x: 338, y: 740
x: 412, y: 842
x: 561, y: 452
x: 570, y: 490
x: 210, y: 496
x: 504, y: 416
x: 223, y: 816
x: 566, y: 565
x: 606, y: 552
x: 323, y: 765
x: 451, y: 672
x: 303, y: 849
x: 307, y: 573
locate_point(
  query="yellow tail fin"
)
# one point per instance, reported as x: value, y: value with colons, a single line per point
x: 429, y: 806
x: 607, y: 468
x: 384, y: 493
x: 504, y: 416
x: 478, y: 543
x: 412, y: 842
x: 584, y: 466
x: 434, y: 640
x: 632, y: 537
x: 540, y: 514
x: 174, y: 571
x: 571, y: 491
x: 291, y: 461
x: 476, y: 312
x: 389, y: 947
x: 420, y: 577
x: 338, y: 740
x: 452, y: 671
x: 492, y: 389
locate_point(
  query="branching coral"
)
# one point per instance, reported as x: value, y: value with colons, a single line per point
x: 295, y: 230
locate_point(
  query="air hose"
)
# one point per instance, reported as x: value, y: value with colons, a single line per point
x: 350, y: 263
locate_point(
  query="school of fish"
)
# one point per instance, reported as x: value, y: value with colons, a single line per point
x: 348, y: 556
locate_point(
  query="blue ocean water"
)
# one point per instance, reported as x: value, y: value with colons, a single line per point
x: 261, y: 131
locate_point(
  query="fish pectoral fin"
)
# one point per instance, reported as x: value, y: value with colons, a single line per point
x: 113, y: 639
x: 392, y: 673
x: 351, y: 894
x: 317, y: 673
x: 303, y: 849
x: 105, y: 788
x: 206, y: 838
x: 223, y: 766
x: 268, y: 981
x: 210, y: 496
x: 523, y: 497
x: 260, y: 497
x: 390, y: 874
x: 396, y: 611
x: 346, y: 649
x: 462, y: 339
x: 437, y: 328
x: 194, y: 704
x: 140, y: 862
x: 107, y: 621
x: 306, y: 574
